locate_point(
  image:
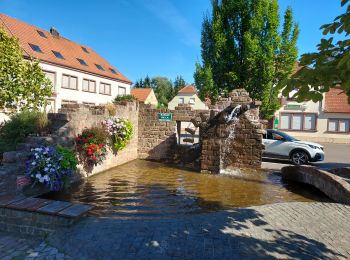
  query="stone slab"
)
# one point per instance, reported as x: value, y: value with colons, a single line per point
x: 76, y: 210
x: 30, y: 204
x: 54, y: 206
x: 6, y: 200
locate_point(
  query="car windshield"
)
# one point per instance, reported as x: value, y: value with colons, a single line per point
x: 286, y: 136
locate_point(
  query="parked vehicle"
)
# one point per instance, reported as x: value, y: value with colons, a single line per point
x: 280, y: 145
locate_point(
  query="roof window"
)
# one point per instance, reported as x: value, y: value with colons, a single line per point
x: 82, y: 62
x: 99, y: 67
x: 35, y: 48
x: 113, y: 71
x: 58, y: 54
x: 42, y: 34
x: 84, y: 49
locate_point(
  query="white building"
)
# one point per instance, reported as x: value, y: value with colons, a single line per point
x: 325, y: 121
x: 79, y: 75
x: 187, y: 95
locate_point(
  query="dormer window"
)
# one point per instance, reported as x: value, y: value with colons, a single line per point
x: 99, y: 67
x: 35, y: 48
x: 58, y: 54
x: 84, y: 49
x: 42, y: 34
x: 113, y: 71
x: 82, y: 62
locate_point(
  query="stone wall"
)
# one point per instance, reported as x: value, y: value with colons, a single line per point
x: 72, y: 119
x: 157, y: 140
x: 334, y: 186
x: 235, y: 143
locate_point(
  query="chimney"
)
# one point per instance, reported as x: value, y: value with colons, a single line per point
x: 54, y: 32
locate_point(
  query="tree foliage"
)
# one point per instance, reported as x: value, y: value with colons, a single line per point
x: 242, y: 47
x: 22, y: 82
x: 326, y: 68
x: 179, y: 83
x: 163, y: 90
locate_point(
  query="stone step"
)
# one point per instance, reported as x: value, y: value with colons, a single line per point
x: 190, y: 130
x: 15, y: 156
x: 36, y: 216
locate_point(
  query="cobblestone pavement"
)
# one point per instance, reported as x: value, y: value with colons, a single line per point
x: 26, y: 247
x: 284, y: 231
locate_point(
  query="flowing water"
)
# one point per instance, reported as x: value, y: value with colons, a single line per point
x: 143, y: 189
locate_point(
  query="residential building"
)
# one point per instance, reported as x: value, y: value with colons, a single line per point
x: 145, y: 95
x: 78, y: 73
x: 187, y: 95
x: 325, y: 121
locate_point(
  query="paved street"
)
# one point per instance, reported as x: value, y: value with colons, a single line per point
x: 336, y: 155
x: 277, y: 231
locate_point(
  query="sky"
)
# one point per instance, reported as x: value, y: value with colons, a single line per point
x: 152, y: 37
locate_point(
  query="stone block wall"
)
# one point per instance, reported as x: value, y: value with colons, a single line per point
x: 157, y: 140
x: 236, y: 143
x: 73, y: 118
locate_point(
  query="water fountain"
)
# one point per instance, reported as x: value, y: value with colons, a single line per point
x: 231, y: 138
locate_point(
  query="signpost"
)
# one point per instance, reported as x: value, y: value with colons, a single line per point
x: 165, y: 117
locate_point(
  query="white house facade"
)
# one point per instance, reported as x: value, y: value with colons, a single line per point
x: 72, y: 86
x: 78, y: 74
x: 327, y: 121
x: 187, y: 95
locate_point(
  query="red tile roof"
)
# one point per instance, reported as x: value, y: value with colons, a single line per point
x: 71, y: 51
x: 336, y: 101
x: 141, y: 94
x: 189, y: 89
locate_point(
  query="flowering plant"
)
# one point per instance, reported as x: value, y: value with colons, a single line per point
x: 91, y: 145
x: 51, y: 166
x: 120, y: 131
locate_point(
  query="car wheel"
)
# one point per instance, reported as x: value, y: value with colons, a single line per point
x: 300, y: 157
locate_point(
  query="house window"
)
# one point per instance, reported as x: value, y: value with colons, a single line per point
x: 298, y: 121
x: 67, y: 102
x: 89, y: 85
x: 58, y: 55
x: 192, y: 101
x: 339, y: 125
x: 82, y: 62
x: 89, y: 104
x: 69, y: 82
x: 51, y: 76
x: 181, y: 100
x: 121, y: 91
x: 35, y: 48
x: 105, y: 89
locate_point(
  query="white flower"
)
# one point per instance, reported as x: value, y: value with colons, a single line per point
x: 47, y: 178
x: 33, y: 163
x: 41, y: 180
x: 38, y: 176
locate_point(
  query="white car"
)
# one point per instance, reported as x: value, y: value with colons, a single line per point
x: 283, y: 146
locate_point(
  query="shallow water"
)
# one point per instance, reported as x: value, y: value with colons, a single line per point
x: 149, y: 189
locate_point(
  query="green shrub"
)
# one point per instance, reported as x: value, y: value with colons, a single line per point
x: 19, y: 126
x: 124, y: 98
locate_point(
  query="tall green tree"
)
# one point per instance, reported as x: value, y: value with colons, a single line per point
x: 326, y: 68
x: 179, y: 83
x: 242, y: 47
x: 163, y: 90
x: 22, y: 82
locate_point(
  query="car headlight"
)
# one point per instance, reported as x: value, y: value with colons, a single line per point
x: 312, y: 146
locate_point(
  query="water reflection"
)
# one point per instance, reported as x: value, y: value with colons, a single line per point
x: 148, y: 189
